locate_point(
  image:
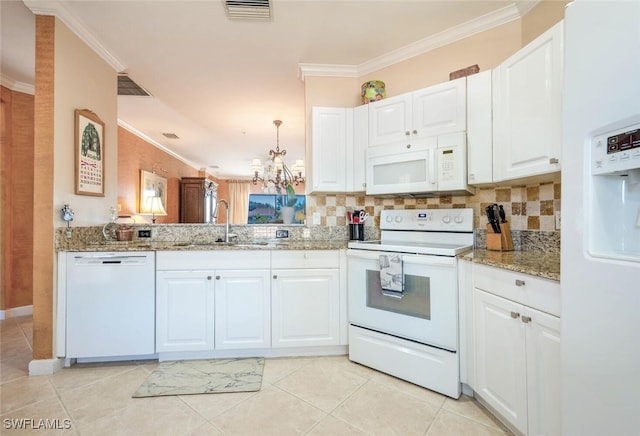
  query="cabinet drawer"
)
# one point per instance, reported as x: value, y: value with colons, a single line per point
x: 535, y: 292
x: 305, y: 259
x: 222, y: 259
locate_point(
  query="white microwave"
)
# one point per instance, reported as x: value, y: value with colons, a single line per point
x: 436, y: 164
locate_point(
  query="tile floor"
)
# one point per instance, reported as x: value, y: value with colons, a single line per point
x: 299, y: 396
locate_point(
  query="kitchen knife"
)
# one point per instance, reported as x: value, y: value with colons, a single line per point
x: 492, y: 219
x: 496, y: 212
x: 503, y: 218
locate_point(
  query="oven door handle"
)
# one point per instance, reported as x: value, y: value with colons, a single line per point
x: 364, y: 254
x: 391, y: 294
x: 417, y: 259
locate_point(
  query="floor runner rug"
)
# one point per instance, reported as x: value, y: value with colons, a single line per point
x: 188, y: 377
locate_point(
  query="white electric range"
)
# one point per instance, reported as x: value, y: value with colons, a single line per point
x: 403, y: 296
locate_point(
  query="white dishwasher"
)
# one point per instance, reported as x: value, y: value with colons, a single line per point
x: 110, y: 304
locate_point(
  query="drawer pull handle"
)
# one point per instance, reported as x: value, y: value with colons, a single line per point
x: 515, y: 315
x: 519, y: 282
x: 415, y: 132
x: 208, y: 277
x: 554, y: 160
x: 275, y: 276
x: 217, y: 277
x: 407, y: 133
x: 526, y: 319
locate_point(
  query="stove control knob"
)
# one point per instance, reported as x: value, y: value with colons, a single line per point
x: 398, y: 219
x: 389, y: 218
x: 446, y: 219
x: 458, y: 219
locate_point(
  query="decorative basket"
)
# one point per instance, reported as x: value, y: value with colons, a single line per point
x: 372, y: 90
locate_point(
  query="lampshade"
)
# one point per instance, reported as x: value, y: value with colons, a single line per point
x: 152, y: 206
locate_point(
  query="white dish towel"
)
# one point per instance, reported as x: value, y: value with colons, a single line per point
x: 391, y: 278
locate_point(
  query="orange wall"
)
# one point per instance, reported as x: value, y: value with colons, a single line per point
x: 17, y: 199
x: 135, y: 154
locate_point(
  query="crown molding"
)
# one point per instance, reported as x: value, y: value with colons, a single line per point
x: 14, y: 85
x: 486, y: 22
x: 327, y: 70
x: 448, y: 36
x: 59, y: 10
x: 156, y: 144
x: 525, y: 6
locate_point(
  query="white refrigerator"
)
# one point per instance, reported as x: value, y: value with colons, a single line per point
x: 600, y: 242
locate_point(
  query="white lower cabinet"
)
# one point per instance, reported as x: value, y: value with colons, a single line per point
x: 208, y: 300
x: 517, y: 350
x: 184, y: 311
x: 308, y: 299
x: 249, y: 300
x: 305, y: 307
x: 242, y: 309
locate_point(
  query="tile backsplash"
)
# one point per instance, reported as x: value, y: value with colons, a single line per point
x: 527, y: 207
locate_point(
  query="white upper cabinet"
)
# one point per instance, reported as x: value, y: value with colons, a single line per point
x: 440, y: 109
x: 479, y: 128
x: 329, y: 144
x: 427, y: 112
x: 390, y: 119
x: 527, y: 105
x: 356, y: 178
x: 339, y: 140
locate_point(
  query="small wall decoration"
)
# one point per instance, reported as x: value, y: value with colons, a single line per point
x: 372, y: 90
x: 152, y: 185
x: 89, y: 159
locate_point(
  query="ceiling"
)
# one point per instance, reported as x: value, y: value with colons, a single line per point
x: 218, y: 83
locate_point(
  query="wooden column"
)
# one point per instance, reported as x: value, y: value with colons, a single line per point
x: 43, y: 228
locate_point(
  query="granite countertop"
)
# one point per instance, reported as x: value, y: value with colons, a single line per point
x: 309, y: 244
x: 533, y: 262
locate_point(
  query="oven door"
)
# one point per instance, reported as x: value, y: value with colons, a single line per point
x: 426, y: 311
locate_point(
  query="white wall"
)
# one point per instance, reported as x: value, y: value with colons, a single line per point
x: 82, y: 81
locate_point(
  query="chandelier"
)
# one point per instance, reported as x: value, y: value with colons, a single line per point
x: 277, y: 175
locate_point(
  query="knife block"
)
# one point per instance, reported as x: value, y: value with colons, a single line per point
x: 500, y: 241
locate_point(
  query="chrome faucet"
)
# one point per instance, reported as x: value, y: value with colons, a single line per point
x: 215, y: 217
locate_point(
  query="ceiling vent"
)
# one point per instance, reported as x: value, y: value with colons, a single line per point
x: 126, y: 86
x: 248, y: 9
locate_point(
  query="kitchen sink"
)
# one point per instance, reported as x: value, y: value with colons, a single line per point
x: 230, y: 244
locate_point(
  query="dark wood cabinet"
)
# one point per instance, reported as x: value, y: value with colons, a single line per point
x: 197, y: 199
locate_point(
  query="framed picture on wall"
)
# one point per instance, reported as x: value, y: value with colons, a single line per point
x: 89, y: 153
x: 152, y: 185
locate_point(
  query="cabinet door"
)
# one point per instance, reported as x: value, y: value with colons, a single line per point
x: 184, y: 311
x: 528, y: 109
x: 543, y: 373
x: 390, y: 120
x: 440, y: 109
x: 306, y: 307
x: 243, y: 311
x: 330, y: 146
x: 479, y: 128
x: 192, y: 201
x: 356, y: 180
x: 500, y: 357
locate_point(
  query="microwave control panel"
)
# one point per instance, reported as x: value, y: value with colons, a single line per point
x: 616, y: 151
